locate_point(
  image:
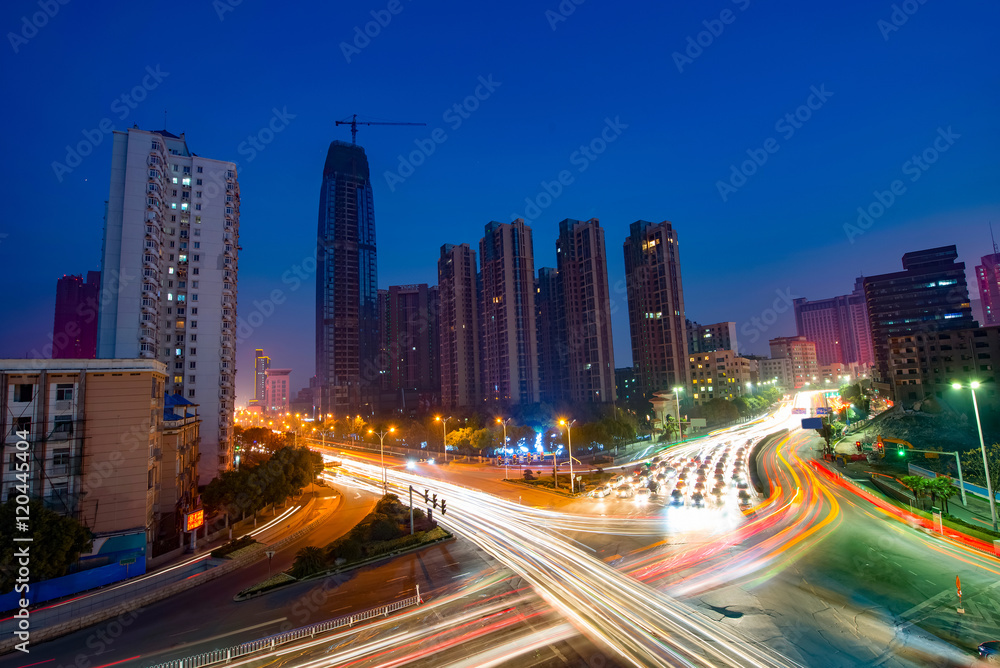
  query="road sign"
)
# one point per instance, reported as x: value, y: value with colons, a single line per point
x: 822, y: 410
x: 812, y: 423
x: 798, y: 411
x: 127, y: 560
x: 270, y: 554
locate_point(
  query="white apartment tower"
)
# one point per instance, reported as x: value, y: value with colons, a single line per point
x: 170, y: 259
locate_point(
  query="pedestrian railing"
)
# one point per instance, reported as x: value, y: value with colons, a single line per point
x: 269, y: 643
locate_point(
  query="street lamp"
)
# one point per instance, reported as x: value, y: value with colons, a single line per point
x: 569, y: 445
x: 506, y: 473
x: 444, y: 437
x: 381, y: 445
x: 677, y: 393
x: 982, y: 445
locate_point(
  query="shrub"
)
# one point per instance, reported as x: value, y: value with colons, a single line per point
x: 308, y: 561
x: 232, y: 546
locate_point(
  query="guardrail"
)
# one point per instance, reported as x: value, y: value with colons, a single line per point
x: 269, y: 643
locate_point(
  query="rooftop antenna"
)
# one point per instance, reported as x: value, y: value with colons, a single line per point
x: 993, y: 239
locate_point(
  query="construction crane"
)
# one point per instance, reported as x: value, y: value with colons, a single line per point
x: 354, y: 123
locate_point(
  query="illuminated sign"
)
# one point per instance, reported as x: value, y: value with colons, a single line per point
x: 194, y: 520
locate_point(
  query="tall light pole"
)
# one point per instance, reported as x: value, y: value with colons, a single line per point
x: 677, y: 393
x: 569, y: 445
x: 381, y: 445
x: 506, y: 472
x: 444, y: 436
x: 982, y: 445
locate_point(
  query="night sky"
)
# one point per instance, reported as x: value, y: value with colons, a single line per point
x: 662, y: 118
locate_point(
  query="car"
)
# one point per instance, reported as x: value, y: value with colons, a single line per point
x: 701, y: 478
x: 720, y: 477
x: 625, y: 492
x: 660, y: 477
x: 655, y: 460
x: 642, y: 494
x: 618, y: 480
x: 601, y: 492
x: 742, y: 484
x: 744, y: 496
x: 990, y: 650
x: 699, y: 487
x: 698, y: 499
x: 677, y: 498
x: 682, y: 475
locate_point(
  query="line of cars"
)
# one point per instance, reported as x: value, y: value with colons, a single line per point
x: 709, y: 477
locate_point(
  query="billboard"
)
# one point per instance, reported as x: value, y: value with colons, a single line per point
x: 812, y: 423
x: 194, y: 520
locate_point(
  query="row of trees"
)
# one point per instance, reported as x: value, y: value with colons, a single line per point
x: 57, y: 542
x: 252, y: 487
x: 934, y: 487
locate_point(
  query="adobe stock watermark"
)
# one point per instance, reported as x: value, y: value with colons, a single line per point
x: 901, y: 13
x: 293, y: 277
x: 713, y: 30
x: 381, y: 18
x: 454, y: 116
x: 223, y: 7
x: 787, y: 125
x: 581, y: 158
x: 256, y: 143
x: 30, y: 25
x: 121, y: 106
x: 562, y: 12
x: 914, y: 168
x: 758, y: 325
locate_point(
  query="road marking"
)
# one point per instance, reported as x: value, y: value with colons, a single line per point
x: 460, y: 575
x: 394, y: 579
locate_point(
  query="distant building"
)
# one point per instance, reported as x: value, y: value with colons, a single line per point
x: 929, y: 295
x: 409, y: 366
x: 74, y: 332
x: 925, y: 364
x: 988, y: 278
x: 276, y: 401
x: 720, y: 374
x: 553, y: 348
x: 458, y: 327
x: 510, y: 352
x: 838, y: 326
x: 303, y: 403
x: 779, y: 370
x: 95, y: 429
x: 655, y: 307
x: 707, y: 338
x: 802, y: 353
x: 347, y: 339
x: 170, y: 275
x: 583, y: 276
x: 625, y: 385
x: 261, y: 363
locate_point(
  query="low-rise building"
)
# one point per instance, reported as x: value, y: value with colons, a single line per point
x: 778, y: 370
x: 179, y: 469
x: 721, y: 374
x: 93, y: 432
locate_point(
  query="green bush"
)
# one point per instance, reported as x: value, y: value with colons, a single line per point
x: 308, y: 561
x: 232, y: 546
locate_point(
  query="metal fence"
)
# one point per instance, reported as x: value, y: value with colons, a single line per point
x: 269, y: 643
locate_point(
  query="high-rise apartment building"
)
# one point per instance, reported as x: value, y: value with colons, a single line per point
x: 802, y: 353
x: 458, y: 327
x: 839, y: 328
x: 171, y: 237
x: 278, y: 391
x: 261, y: 363
x: 74, y: 332
x: 655, y: 307
x: 708, y: 338
x: 347, y: 336
x: 510, y: 353
x: 930, y: 294
x: 988, y: 278
x: 410, y: 335
x: 553, y: 349
x: 583, y: 275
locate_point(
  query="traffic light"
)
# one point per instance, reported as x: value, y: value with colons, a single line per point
x: 443, y: 509
x: 499, y: 461
x: 427, y: 496
x: 901, y: 452
x: 434, y: 501
x: 857, y: 444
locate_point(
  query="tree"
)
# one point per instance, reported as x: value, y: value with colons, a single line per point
x: 941, y: 487
x: 670, y: 428
x: 972, y: 465
x: 720, y: 410
x: 917, y: 483
x: 309, y: 560
x: 57, y: 542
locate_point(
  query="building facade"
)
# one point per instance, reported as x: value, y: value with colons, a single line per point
x: 927, y: 363
x: 930, y: 294
x: 510, y: 352
x: 170, y: 275
x: 409, y: 332
x: 583, y: 276
x: 720, y: 374
x: 94, y: 433
x: 625, y: 386
x: 802, y: 354
x: 74, y: 332
x: 347, y: 338
x: 553, y: 349
x: 839, y: 328
x: 778, y: 370
x: 179, y: 469
x: 655, y: 307
x: 458, y: 327
x: 277, y: 400
x: 707, y: 338
x: 988, y: 280
x: 261, y: 363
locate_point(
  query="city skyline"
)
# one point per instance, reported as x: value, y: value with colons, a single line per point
x: 785, y: 224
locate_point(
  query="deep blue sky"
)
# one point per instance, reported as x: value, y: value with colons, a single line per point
x: 782, y: 230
